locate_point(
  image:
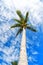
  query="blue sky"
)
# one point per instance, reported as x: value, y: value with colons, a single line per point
x: 9, y: 46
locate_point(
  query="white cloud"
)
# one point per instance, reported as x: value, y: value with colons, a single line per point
x: 8, y: 3
x: 30, y: 58
x: 35, y: 52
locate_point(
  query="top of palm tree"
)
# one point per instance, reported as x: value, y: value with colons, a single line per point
x: 22, y: 23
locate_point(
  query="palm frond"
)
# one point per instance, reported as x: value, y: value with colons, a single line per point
x: 20, y: 14
x: 26, y: 18
x: 19, y: 31
x: 14, y: 63
x: 31, y: 28
x: 15, y: 25
x: 17, y: 20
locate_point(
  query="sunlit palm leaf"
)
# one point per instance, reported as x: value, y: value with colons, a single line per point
x: 26, y: 18
x: 17, y: 20
x: 19, y: 31
x: 20, y: 14
x: 31, y: 28
x: 14, y: 63
x: 15, y: 25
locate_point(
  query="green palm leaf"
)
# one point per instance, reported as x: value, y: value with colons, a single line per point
x: 19, y: 31
x: 17, y: 20
x: 31, y: 28
x: 20, y: 14
x: 14, y: 63
x: 15, y: 25
x: 26, y: 18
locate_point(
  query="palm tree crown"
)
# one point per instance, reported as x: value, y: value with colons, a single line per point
x: 22, y: 23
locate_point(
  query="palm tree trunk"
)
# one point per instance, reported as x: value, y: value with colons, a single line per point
x: 23, y: 55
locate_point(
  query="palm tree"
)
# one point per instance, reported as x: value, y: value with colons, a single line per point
x: 22, y: 25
